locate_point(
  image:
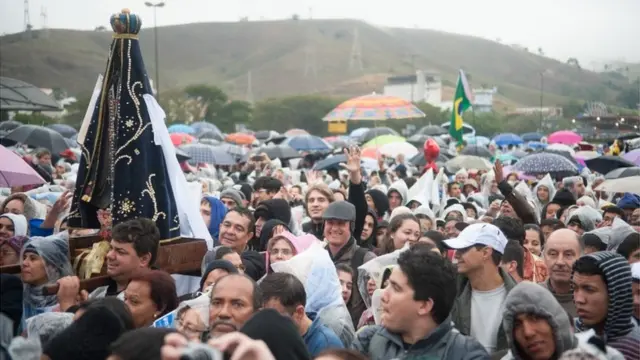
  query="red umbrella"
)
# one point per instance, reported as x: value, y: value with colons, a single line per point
x: 181, y: 139
x: 16, y: 172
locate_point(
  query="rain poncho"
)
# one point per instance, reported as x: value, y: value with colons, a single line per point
x: 316, y: 271
x: 426, y: 210
x: 400, y: 187
x: 545, y: 182
x: 587, y: 216
x: 55, y: 254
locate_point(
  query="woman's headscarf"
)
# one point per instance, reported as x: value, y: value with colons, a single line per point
x: 54, y: 252
x: 20, y: 225
x: 218, y: 211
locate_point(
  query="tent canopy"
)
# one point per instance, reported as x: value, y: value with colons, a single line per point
x: 16, y: 95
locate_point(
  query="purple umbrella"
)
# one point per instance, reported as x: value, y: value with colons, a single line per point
x: 633, y: 156
x: 14, y: 171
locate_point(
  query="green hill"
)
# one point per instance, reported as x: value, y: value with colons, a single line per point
x: 275, y: 52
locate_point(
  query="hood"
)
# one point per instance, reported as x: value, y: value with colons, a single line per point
x: 546, y: 182
x: 380, y: 201
x: 371, y: 241
x: 587, y: 201
x: 218, y: 211
x: 254, y: 264
x: 426, y: 211
x: 456, y: 207
x: 619, y: 231
x: 32, y: 208
x: 401, y: 188
x: 20, y: 226
x: 587, y: 216
x: 267, y: 229
x: 629, y: 201
x: 617, y: 276
x: 278, y: 209
x: 531, y: 298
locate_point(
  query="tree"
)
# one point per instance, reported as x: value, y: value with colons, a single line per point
x: 76, y: 111
x: 630, y: 96
x: 574, y: 62
x: 219, y: 109
x: 35, y: 118
x: 304, y: 112
x: 572, y: 109
x: 540, y: 52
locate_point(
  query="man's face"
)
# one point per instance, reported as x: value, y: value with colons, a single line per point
x: 205, y: 212
x: 560, y: 252
x: 261, y: 195
x: 346, y: 283
x: 395, y: 200
x: 591, y: 297
x: 229, y: 203
x: 231, y: 304
x: 234, y: 231
x: 367, y: 230
x: 454, y: 190
x: 337, y: 232
x: 543, y: 193
x: 15, y: 206
x: 534, y: 336
x: 44, y: 159
x: 122, y: 260
x: 317, y: 203
x: 399, y: 309
x: 470, y: 259
x: 450, y: 229
x: 578, y: 188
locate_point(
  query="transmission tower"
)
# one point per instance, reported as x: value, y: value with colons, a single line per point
x: 355, y: 62
x: 249, y: 96
x: 27, y: 18
x: 310, y: 68
x: 44, y: 16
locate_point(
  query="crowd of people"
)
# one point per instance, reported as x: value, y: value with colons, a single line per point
x: 341, y: 264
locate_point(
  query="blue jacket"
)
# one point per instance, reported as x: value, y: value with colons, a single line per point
x: 320, y: 338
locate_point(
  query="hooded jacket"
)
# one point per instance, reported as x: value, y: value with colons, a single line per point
x: 400, y: 187
x: 380, y: 201
x: 218, y: 211
x: 620, y: 330
x: 20, y: 226
x: 371, y: 242
x: 34, y: 212
x: 587, y: 216
x: 531, y: 298
x: 546, y: 182
x: 444, y: 342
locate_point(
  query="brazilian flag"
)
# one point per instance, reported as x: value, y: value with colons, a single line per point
x: 461, y: 102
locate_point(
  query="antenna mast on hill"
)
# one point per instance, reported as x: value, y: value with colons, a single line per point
x: 355, y: 62
x: 310, y: 68
x: 249, y: 88
x: 43, y: 15
x: 27, y: 17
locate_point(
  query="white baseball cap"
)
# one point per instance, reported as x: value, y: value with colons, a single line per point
x: 479, y: 234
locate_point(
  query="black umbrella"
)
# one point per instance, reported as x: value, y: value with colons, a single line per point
x: 266, y: 134
x: 623, y: 172
x: 38, y: 136
x: 282, y: 152
x: 181, y: 155
x: 606, y: 163
x: 432, y: 130
x: 373, y: 133
x: 10, y: 125
x: 476, y: 150
x: 419, y: 160
x: 63, y: 129
x: 419, y: 140
x: 332, y: 162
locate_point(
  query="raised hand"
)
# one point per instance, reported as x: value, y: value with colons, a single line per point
x: 352, y: 165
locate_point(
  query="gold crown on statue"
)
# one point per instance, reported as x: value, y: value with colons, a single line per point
x: 126, y: 23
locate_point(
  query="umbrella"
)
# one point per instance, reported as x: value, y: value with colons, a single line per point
x: 38, y: 136
x: 507, y: 158
x: 63, y: 129
x: 467, y: 162
x: 10, y: 125
x: 519, y: 153
x: 181, y: 155
x: 531, y: 136
x: 240, y: 138
x: 202, y: 126
x: 358, y: 132
x: 71, y: 143
x: 419, y: 140
x: 295, y: 132
x: 507, y: 139
x: 561, y: 148
x: 476, y: 151
x: 307, y: 143
x: 14, y: 171
x: 234, y: 150
x: 210, y: 134
x: 622, y: 185
x: 476, y: 140
x: 181, y: 128
x: 564, y: 137
x: 633, y: 156
x: 266, y: 134
x: 395, y: 149
x: 586, y: 155
x: 333, y: 162
x: 282, y: 152
x: 207, y: 154
x: 418, y: 159
x: 432, y: 130
x: 375, y: 132
x: 213, y: 142
x: 371, y: 153
x: 181, y: 139
x: 542, y: 163
x: 384, y: 140
x: 606, y: 163
x: 339, y: 142
x: 623, y: 173
x: 374, y: 107
x: 536, y: 145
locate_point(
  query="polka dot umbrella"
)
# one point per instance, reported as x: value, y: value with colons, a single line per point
x: 543, y: 163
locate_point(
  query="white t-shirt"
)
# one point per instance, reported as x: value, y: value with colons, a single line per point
x: 486, y: 316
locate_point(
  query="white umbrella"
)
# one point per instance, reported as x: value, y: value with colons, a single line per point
x: 621, y: 185
x: 468, y: 162
x: 394, y: 149
x: 562, y: 147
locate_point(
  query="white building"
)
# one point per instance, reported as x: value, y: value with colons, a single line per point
x: 483, y: 99
x: 421, y: 87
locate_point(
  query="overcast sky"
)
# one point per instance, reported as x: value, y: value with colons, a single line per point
x: 591, y: 30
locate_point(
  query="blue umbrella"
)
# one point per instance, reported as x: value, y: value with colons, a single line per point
x: 307, y: 143
x: 477, y: 140
x: 181, y: 128
x: 536, y: 145
x: 543, y: 163
x: 531, y: 136
x: 202, y: 126
x: 507, y: 139
x: 201, y: 153
x: 63, y: 129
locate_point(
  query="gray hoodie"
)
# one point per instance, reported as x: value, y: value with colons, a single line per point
x: 531, y: 298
